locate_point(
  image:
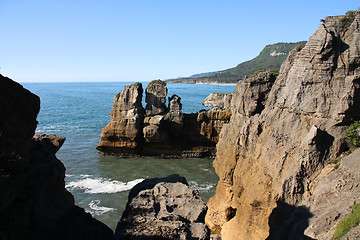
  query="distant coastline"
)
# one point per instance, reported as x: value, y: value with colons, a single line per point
x: 207, y: 83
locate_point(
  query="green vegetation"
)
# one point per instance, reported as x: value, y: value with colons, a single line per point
x: 352, y: 136
x: 299, y: 47
x: 157, y: 82
x: 271, y: 57
x: 258, y: 71
x: 348, y: 19
x: 221, y: 93
x: 350, y: 221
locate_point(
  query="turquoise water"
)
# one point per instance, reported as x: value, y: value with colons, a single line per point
x: 100, y: 184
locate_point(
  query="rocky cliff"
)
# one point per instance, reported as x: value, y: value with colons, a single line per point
x: 281, y: 135
x: 159, y: 130
x: 34, y: 203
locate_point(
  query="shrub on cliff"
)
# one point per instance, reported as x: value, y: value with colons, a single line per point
x: 350, y: 221
x: 352, y: 136
x: 348, y: 18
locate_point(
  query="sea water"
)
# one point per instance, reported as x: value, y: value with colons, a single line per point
x: 100, y: 184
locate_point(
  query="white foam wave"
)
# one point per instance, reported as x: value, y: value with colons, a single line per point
x: 101, y: 185
x: 202, y: 187
x: 95, y: 209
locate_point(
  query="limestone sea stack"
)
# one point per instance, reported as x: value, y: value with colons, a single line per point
x: 159, y: 129
x: 124, y: 132
x: 281, y: 135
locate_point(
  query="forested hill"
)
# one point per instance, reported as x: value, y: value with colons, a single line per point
x: 271, y: 57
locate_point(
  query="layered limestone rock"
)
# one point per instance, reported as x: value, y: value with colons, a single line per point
x: 335, y: 190
x: 163, y: 208
x: 279, y: 140
x: 219, y: 101
x: 34, y: 203
x: 124, y: 132
x: 156, y: 93
x: 160, y: 130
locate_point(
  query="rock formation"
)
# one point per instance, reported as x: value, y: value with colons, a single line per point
x: 34, y: 203
x: 163, y: 208
x: 219, y: 101
x: 162, y: 130
x: 124, y: 132
x: 282, y: 134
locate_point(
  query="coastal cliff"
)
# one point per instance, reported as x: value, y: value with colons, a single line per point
x: 157, y: 129
x: 282, y: 134
x: 34, y: 203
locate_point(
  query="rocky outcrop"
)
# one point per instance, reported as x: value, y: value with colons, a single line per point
x: 163, y: 130
x: 156, y: 93
x: 34, y: 203
x: 277, y: 142
x: 219, y: 101
x: 163, y: 208
x: 335, y: 190
x: 124, y: 132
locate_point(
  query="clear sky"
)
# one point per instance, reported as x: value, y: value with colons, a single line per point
x: 143, y: 40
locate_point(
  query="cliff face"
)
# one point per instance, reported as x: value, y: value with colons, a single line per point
x: 282, y: 132
x: 160, y: 130
x: 34, y: 203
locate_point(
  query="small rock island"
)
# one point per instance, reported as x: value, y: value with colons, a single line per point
x: 160, y: 130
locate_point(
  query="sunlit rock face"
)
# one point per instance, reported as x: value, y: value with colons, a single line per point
x: 282, y: 133
x: 123, y: 134
x: 159, y: 130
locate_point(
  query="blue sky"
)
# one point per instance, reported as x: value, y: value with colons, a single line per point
x: 138, y: 40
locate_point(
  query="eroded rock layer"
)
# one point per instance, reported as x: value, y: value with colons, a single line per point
x: 160, y: 130
x: 281, y: 134
x: 124, y: 132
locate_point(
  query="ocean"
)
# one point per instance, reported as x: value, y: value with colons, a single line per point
x: 100, y: 184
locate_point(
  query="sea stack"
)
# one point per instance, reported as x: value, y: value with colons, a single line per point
x: 159, y: 130
x: 124, y: 132
x: 272, y: 153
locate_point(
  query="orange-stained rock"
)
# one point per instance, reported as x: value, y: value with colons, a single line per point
x: 124, y: 132
x: 274, y: 146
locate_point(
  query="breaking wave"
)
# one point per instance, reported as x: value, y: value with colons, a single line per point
x: 95, y: 209
x: 93, y: 185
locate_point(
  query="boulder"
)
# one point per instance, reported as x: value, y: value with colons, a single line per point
x: 164, y: 208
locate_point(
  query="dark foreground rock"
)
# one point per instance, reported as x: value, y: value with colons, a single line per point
x: 160, y: 130
x: 163, y: 208
x: 34, y: 203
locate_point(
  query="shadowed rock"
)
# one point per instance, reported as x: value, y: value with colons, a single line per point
x: 34, y: 203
